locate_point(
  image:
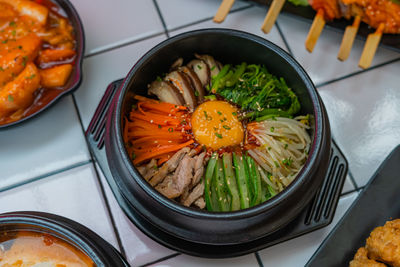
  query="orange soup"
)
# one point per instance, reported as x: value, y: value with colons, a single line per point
x: 25, y: 249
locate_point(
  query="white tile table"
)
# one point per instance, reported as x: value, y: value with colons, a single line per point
x: 45, y: 164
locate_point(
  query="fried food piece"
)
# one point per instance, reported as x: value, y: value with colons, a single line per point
x: 18, y: 94
x: 384, y: 243
x: 361, y: 260
x: 14, y: 56
x: 30, y: 9
x: 56, y: 76
x: 51, y: 55
x: 375, y: 12
x: 330, y: 7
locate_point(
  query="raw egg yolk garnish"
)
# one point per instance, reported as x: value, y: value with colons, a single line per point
x: 215, y: 124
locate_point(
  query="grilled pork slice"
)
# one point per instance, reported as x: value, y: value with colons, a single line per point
x: 166, y: 92
x: 177, y: 63
x: 180, y: 81
x: 151, y: 169
x: 211, y: 62
x: 202, y: 70
x: 197, y: 192
x: 168, y: 166
x: 173, y: 186
x: 195, y: 81
x: 198, y: 169
x: 200, y: 203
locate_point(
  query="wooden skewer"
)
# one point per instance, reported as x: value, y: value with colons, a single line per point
x: 315, y: 30
x: 348, y: 39
x: 223, y: 10
x: 370, y: 47
x: 272, y: 14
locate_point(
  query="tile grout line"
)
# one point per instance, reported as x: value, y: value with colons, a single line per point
x: 352, y: 179
x: 161, y: 17
x: 166, y: 31
x: 284, y: 39
x: 161, y: 259
x: 358, y: 72
x: 43, y: 176
x: 105, y: 50
x: 351, y: 192
x: 258, y: 258
x: 108, y: 207
x: 206, y: 19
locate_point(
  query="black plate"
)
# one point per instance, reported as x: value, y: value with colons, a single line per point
x: 391, y: 41
x: 76, y: 75
x: 376, y: 204
x: 317, y: 214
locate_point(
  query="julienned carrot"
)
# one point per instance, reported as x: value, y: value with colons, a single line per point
x: 155, y: 143
x: 150, y: 126
x: 160, y: 151
x: 164, y: 158
x: 175, y: 138
x: 139, y: 107
x: 143, y: 133
x: 166, y: 108
x: 145, y: 99
x: 155, y: 118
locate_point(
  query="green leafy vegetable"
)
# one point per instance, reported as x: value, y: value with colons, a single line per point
x: 299, y: 2
x: 256, y: 91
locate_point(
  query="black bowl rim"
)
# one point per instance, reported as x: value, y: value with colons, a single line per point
x: 269, y: 204
x: 65, y: 229
x: 77, y: 80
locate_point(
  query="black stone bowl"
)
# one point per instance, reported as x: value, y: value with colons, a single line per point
x: 183, y: 228
x: 77, y: 235
x: 76, y: 75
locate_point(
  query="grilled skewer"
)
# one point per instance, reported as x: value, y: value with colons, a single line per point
x: 370, y: 47
x: 326, y: 10
x: 348, y: 39
x: 383, y: 15
x: 223, y: 10
x: 272, y: 14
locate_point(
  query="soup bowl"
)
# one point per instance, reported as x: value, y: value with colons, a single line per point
x: 71, y: 233
x: 164, y: 219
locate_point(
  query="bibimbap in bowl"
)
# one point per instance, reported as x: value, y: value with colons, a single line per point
x: 217, y: 137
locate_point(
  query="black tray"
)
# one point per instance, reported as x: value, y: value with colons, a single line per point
x: 317, y: 214
x: 391, y: 41
x: 376, y: 204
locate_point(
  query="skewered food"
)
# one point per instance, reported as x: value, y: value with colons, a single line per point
x: 382, y: 247
x: 232, y: 149
x: 37, y: 51
x: 326, y: 10
x: 383, y: 15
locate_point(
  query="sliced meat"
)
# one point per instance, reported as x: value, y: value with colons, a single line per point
x: 178, y: 63
x: 175, y: 186
x: 192, y: 153
x: 202, y: 71
x: 198, y: 168
x: 166, y: 92
x: 151, y: 169
x: 200, y: 203
x: 195, y: 81
x: 185, y: 88
x: 141, y: 170
x: 211, y: 62
x: 169, y: 166
x: 197, y: 192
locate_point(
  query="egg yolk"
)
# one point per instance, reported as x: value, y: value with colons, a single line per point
x: 215, y: 124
